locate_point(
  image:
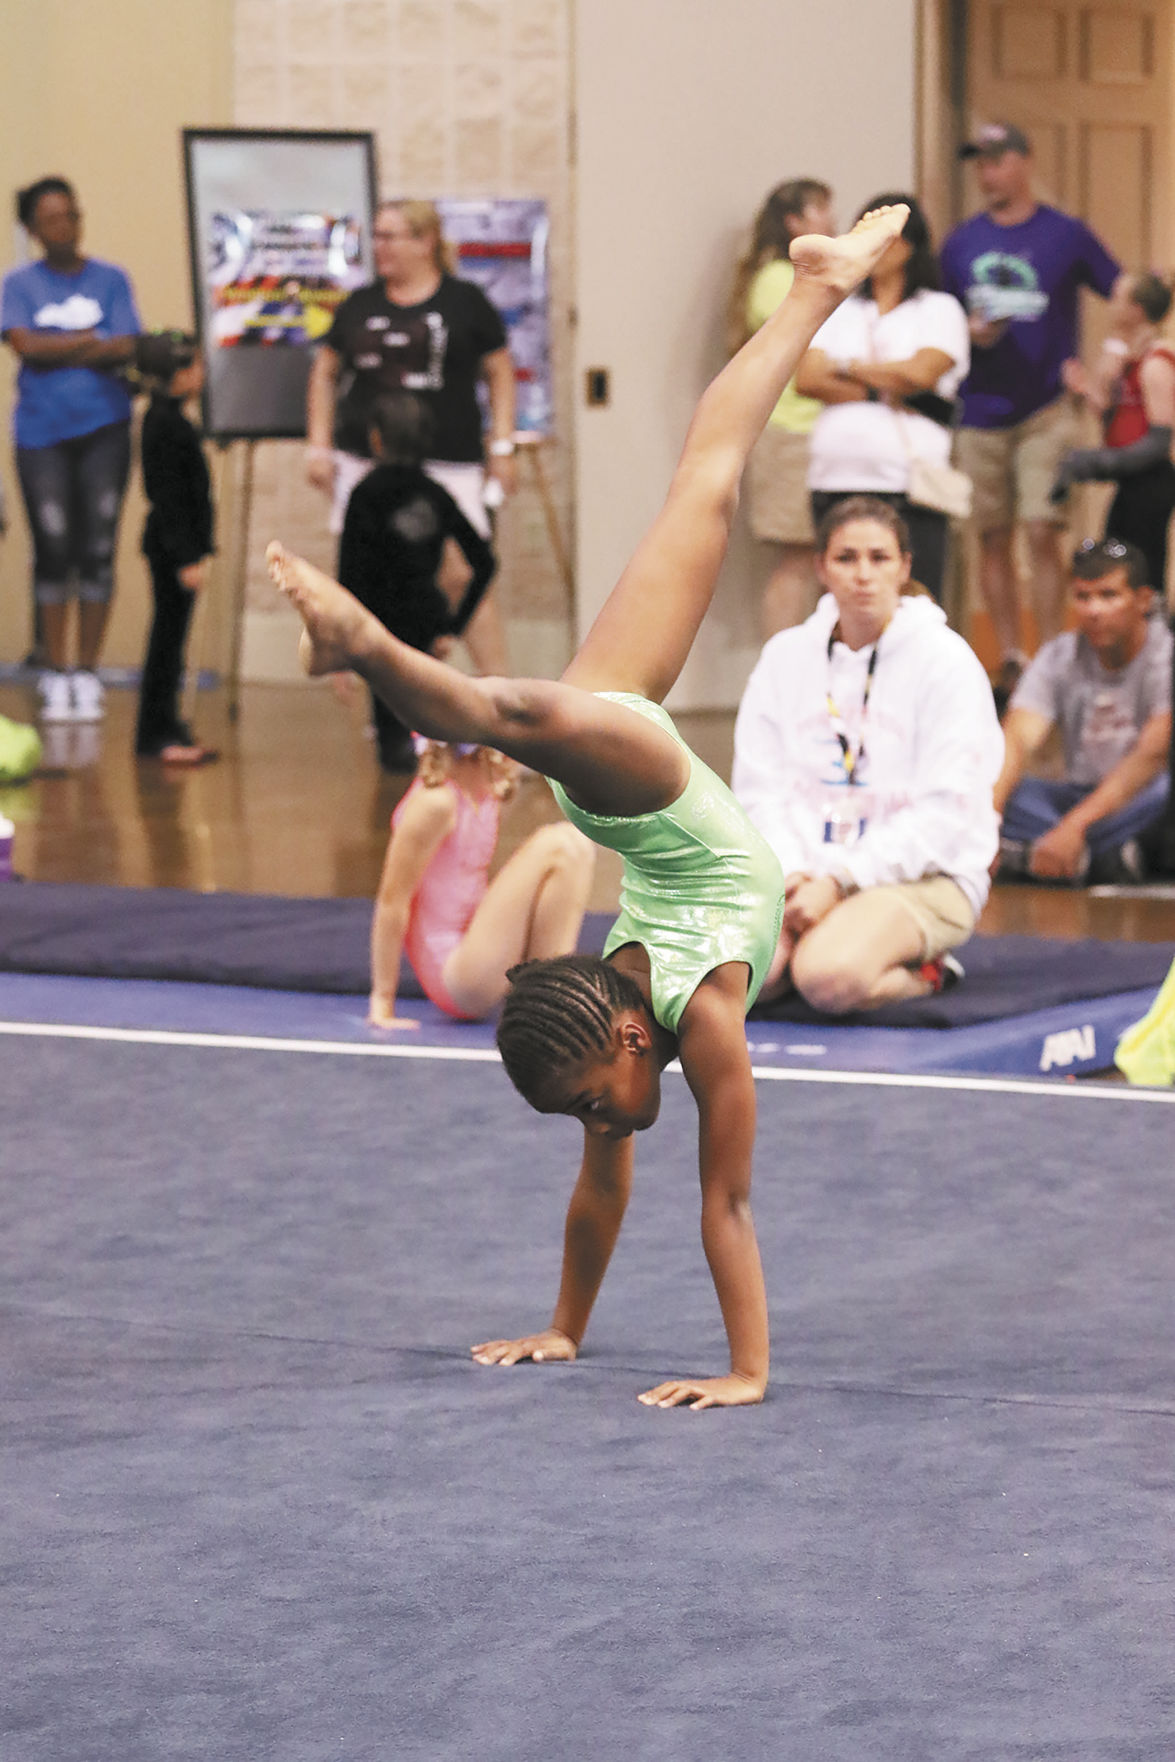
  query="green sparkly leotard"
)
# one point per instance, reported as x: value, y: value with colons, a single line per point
x: 700, y: 886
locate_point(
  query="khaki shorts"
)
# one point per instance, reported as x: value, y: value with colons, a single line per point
x: 1013, y: 469
x: 937, y: 905
x: 777, y: 488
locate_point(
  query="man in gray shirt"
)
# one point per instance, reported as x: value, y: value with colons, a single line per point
x: 1107, y: 686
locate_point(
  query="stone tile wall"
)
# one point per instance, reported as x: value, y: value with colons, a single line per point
x: 466, y: 98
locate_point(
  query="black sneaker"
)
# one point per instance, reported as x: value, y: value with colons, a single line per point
x: 1013, y: 860
x: 1124, y: 867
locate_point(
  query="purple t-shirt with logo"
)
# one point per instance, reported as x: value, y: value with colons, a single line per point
x: 1030, y: 275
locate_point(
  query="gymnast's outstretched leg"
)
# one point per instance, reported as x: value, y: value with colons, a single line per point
x: 646, y: 627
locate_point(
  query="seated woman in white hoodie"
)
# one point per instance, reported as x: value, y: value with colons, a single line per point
x: 866, y: 750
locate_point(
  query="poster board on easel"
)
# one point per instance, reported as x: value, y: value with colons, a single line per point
x: 279, y: 233
x: 502, y: 244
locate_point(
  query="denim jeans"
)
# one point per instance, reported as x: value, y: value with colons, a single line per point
x: 73, y: 496
x: 1036, y: 805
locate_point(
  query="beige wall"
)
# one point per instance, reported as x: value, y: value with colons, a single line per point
x: 687, y: 111
x: 98, y: 91
x: 465, y: 98
x: 680, y: 137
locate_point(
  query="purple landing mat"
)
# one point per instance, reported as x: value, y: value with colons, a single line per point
x: 260, y: 1505
x: 320, y: 945
x: 168, y: 933
x: 1071, y: 1040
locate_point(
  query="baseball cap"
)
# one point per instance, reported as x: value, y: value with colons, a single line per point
x: 993, y: 139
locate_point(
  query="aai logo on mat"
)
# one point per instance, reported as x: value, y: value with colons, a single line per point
x: 1069, y: 1046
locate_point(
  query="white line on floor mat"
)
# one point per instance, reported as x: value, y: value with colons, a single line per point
x: 1084, y: 1091
x: 246, y: 1042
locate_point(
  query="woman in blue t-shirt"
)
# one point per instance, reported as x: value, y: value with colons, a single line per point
x: 72, y: 321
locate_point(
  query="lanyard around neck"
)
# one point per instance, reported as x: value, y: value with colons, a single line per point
x: 852, y: 760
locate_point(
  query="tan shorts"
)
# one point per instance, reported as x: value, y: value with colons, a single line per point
x: 937, y: 905
x: 1013, y: 469
x: 777, y: 488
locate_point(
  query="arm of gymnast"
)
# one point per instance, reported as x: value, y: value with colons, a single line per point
x: 498, y: 372
x: 844, y: 382
x: 1025, y: 732
x: 1157, y: 379
x: 480, y: 565
x: 594, y: 1216
x: 1094, y: 386
x: 320, y: 417
x: 1057, y: 853
x: 425, y: 823
x: 1113, y: 464
x: 712, y: 1046
x: 817, y: 377
x: 79, y: 348
x: 902, y: 379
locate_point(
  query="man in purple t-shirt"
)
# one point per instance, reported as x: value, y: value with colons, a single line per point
x: 1017, y: 268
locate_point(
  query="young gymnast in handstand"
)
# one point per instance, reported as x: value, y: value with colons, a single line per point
x: 702, y: 893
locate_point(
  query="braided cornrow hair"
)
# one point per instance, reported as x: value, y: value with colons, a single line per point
x: 558, y: 1013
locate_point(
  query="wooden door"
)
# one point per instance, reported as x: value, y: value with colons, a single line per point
x: 1091, y: 83
x: 1091, y: 86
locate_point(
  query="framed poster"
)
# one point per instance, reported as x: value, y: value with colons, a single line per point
x: 279, y: 232
x: 501, y: 244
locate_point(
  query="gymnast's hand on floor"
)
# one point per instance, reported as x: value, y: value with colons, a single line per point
x: 1059, y: 854
x: 548, y: 1347
x: 381, y: 1014
x: 700, y: 1392
x: 811, y: 901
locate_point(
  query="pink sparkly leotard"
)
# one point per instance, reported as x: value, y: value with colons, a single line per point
x: 453, y: 887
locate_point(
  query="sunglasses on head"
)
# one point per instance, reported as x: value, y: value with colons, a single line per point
x: 1107, y: 547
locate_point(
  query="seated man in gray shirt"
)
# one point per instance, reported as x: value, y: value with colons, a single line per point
x: 1107, y: 685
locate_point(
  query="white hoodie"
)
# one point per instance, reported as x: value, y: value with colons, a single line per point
x: 932, y: 752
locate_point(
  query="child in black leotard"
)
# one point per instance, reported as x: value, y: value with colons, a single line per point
x: 392, y: 552
x: 177, y: 540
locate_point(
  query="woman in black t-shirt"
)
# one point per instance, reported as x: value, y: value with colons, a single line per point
x: 417, y: 328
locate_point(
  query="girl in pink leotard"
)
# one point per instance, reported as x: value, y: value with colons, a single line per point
x: 436, y: 903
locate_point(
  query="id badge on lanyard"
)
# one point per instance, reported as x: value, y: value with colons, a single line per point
x: 841, y: 824
x: 844, y: 822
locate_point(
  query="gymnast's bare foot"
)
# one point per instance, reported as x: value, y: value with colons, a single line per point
x: 842, y: 264
x: 333, y: 639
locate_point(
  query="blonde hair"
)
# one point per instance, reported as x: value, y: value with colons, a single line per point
x: 770, y: 239
x: 435, y: 766
x: 423, y: 220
